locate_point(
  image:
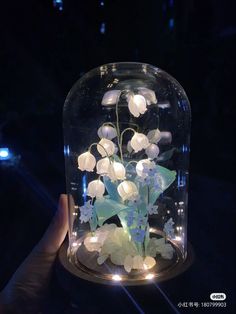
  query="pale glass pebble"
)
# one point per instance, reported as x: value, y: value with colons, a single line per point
x: 149, y: 262
x: 128, y: 263
x: 118, y: 257
x: 138, y: 262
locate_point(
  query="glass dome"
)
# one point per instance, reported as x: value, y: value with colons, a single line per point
x: 127, y: 133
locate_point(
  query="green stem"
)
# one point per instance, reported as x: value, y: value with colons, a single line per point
x: 121, y: 140
x: 90, y: 147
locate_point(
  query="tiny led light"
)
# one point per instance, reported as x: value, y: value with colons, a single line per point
x: 4, y: 153
x: 116, y: 277
x: 149, y: 276
x: 74, y: 244
x: 94, y: 239
x: 177, y: 238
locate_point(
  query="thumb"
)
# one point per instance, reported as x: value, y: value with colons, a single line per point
x: 29, y: 285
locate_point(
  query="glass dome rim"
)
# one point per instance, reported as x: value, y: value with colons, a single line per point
x: 120, y: 63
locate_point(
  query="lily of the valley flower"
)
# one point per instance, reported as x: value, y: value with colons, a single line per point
x: 116, y: 171
x: 137, y: 105
x: 107, y: 131
x: 139, y: 141
x: 106, y: 147
x: 143, y: 166
x: 86, y: 212
x: 96, y: 188
x: 111, y: 97
x: 86, y: 161
x: 127, y: 189
x: 103, y: 166
x: 154, y: 136
x: 152, y: 151
x: 148, y: 94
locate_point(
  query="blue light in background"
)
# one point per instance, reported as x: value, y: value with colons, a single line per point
x: 181, y: 179
x: 4, y: 153
x: 103, y: 28
x: 171, y: 23
x: 84, y: 183
x: 58, y: 4
x: 66, y: 150
x: 171, y: 3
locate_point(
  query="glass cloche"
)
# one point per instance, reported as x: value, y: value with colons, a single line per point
x: 127, y: 133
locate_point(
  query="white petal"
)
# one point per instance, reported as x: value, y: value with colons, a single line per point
x: 107, y: 132
x: 152, y: 151
x: 137, y: 105
x: 86, y: 161
x: 96, y: 188
x: 110, y: 97
x: 103, y: 166
x: 106, y: 147
x: 127, y: 189
x: 139, y: 167
x: 133, y: 109
x: 116, y: 171
x: 139, y: 141
x: 129, y: 147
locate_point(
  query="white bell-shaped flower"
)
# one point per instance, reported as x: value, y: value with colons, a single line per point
x: 154, y: 136
x: 148, y: 94
x: 127, y: 190
x: 166, y: 137
x: 110, y: 97
x: 141, y: 166
x: 129, y: 147
x: 139, y: 141
x: 152, y: 151
x: 96, y: 188
x: 137, y: 105
x: 116, y: 171
x: 106, y: 147
x: 86, y: 161
x: 107, y: 131
x: 103, y: 166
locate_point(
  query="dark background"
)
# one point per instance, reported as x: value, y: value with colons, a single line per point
x: 45, y: 46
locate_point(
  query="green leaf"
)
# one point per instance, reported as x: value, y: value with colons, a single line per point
x: 166, y: 177
x: 107, y: 208
x: 147, y: 238
x: 166, y: 155
x: 93, y: 222
x: 111, y: 188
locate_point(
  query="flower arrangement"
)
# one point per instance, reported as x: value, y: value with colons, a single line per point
x: 126, y: 189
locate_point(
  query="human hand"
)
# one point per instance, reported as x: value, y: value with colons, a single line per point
x: 28, y: 287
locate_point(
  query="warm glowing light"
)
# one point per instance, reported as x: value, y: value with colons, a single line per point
x: 152, y: 230
x: 75, y: 214
x: 74, y: 233
x: 116, y: 277
x: 74, y: 244
x: 149, y: 276
x: 177, y: 238
x: 93, y: 239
